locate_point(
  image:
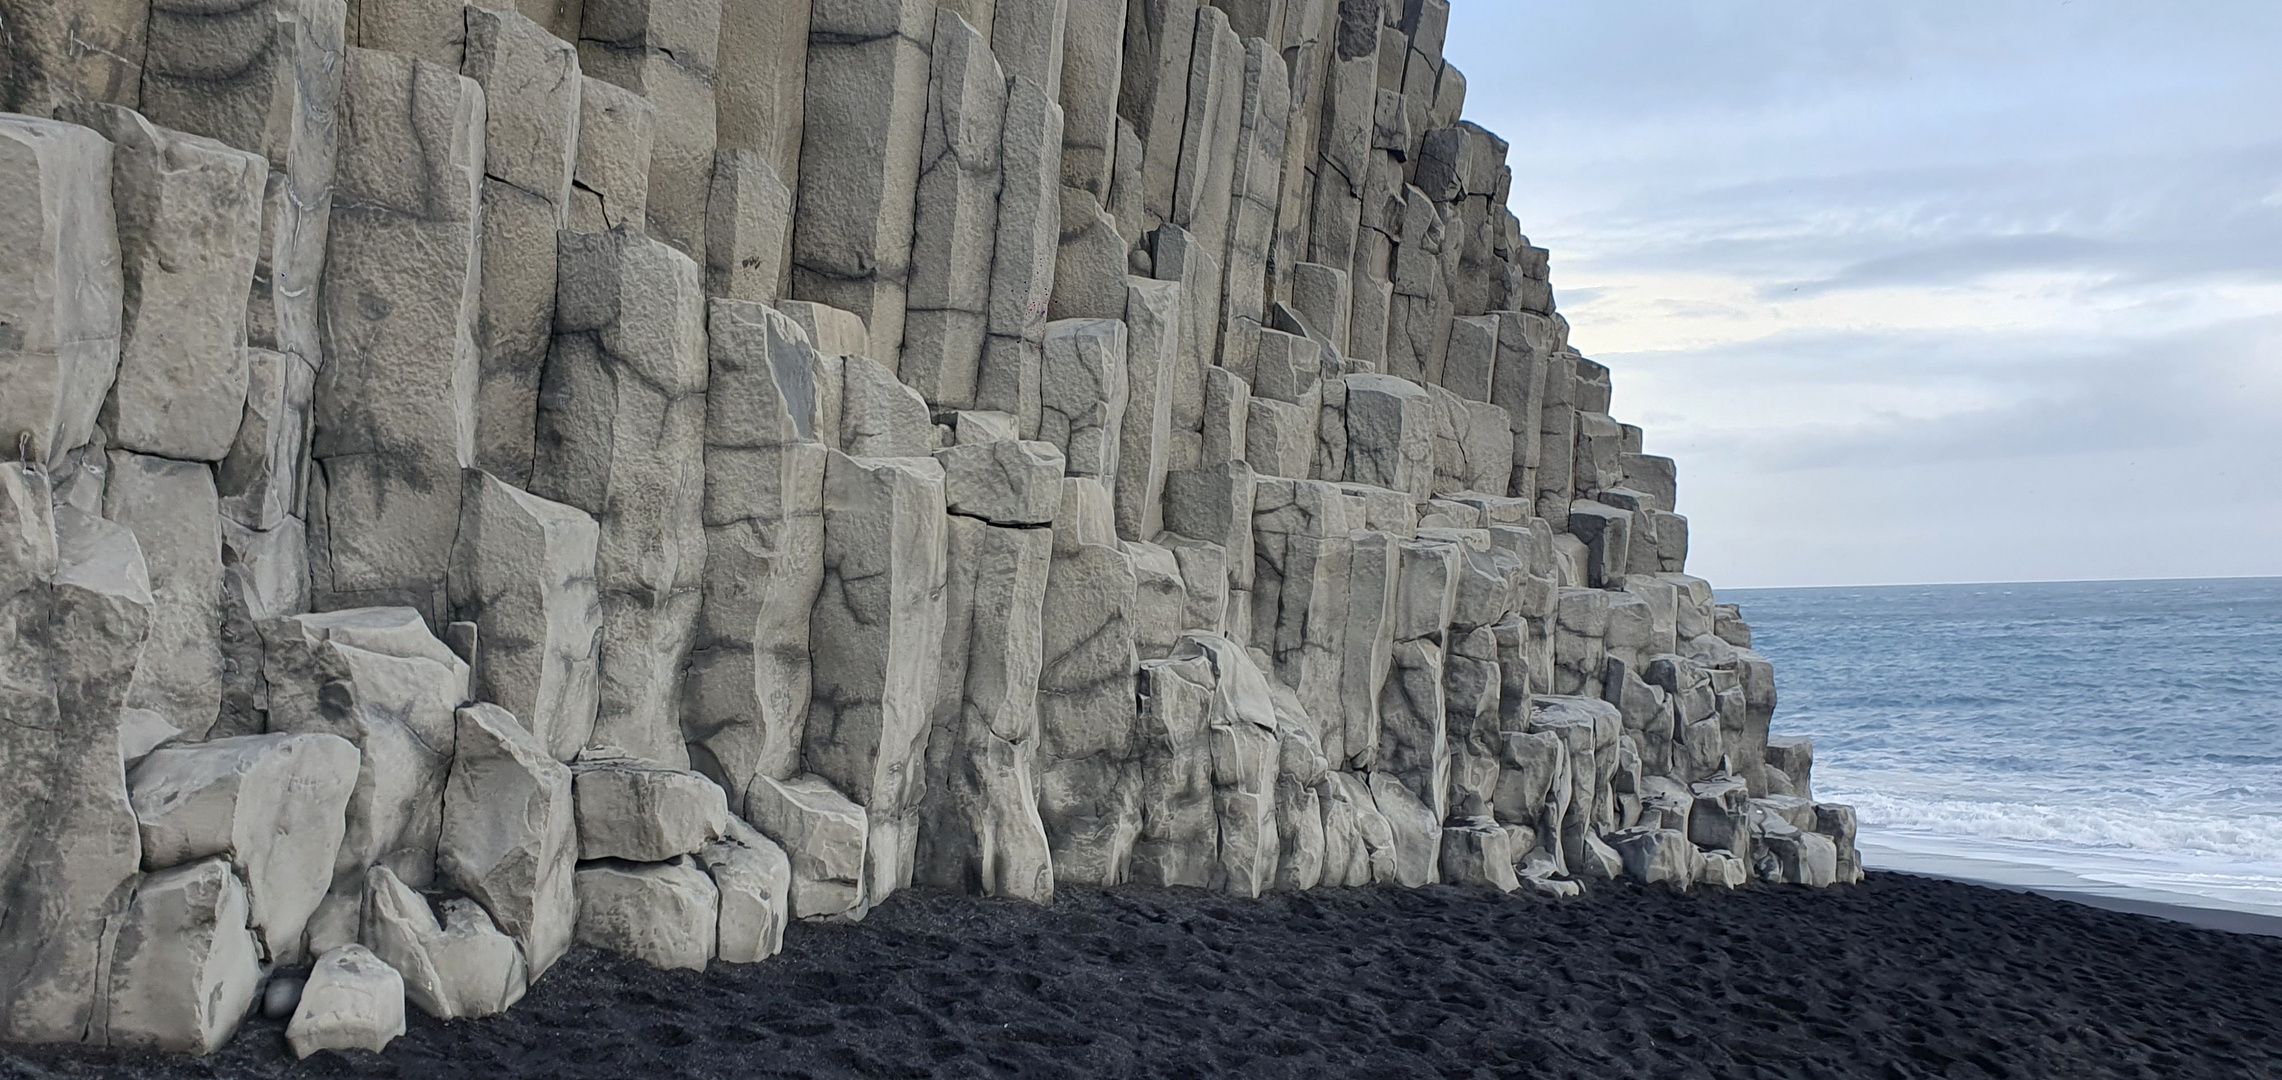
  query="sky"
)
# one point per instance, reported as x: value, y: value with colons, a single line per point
x: 1918, y: 290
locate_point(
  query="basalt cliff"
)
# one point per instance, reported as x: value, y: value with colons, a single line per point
x: 642, y: 472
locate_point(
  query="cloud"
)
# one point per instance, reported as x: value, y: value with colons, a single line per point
x: 1917, y: 289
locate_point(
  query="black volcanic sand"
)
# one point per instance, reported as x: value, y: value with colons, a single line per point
x: 1898, y: 977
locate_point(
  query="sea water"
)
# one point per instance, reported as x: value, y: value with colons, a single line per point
x: 2118, y: 738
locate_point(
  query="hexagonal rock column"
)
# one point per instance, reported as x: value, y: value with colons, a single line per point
x: 979, y: 827
x: 523, y: 573
x: 877, y: 636
x: 394, y: 408
x: 1089, y: 754
x: 622, y: 436
x: 531, y: 85
x: 668, y: 53
x: 956, y: 220
x: 263, y: 77
x: 189, y: 217
x: 745, y: 699
x: 866, y: 115
x: 77, y: 603
x: 60, y: 284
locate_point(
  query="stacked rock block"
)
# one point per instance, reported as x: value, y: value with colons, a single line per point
x: 488, y: 478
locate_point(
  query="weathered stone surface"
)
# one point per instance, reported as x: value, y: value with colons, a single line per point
x: 663, y: 914
x: 1414, y: 828
x: 60, y: 283
x: 1390, y: 434
x: 768, y: 403
x: 1004, y: 482
x: 455, y: 966
x: 262, y: 77
x: 353, y: 1001
x: 172, y: 509
x: 273, y: 804
x: 877, y: 631
x: 754, y: 880
x: 375, y: 677
x: 189, y: 219
x: 1084, y: 392
x: 610, y: 177
x: 1246, y: 760
x: 265, y: 575
x: 510, y: 834
x: 531, y: 82
x: 1256, y: 186
x: 394, y: 407
x: 1179, y: 838
x: 1153, y: 365
x: 760, y: 83
x: 523, y: 572
x: 621, y: 436
x: 668, y: 53
x: 879, y: 415
x: 955, y: 223
x: 184, y: 969
x: 1023, y: 259
x: 862, y: 132
x: 1089, y: 756
x: 1654, y: 855
x: 262, y: 478
x: 979, y: 827
x: 1358, y: 843
x: 1478, y: 852
x: 61, y: 55
x: 823, y: 834
x: 633, y: 810
x: 748, y: 227
x: 77, y: 602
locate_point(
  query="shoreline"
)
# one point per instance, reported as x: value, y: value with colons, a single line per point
x: 1903, y: 975
x: 2060, y: 884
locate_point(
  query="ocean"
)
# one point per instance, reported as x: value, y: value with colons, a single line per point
x: 2117, y: 738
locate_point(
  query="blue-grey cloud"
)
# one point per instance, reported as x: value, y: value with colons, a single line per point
x: 2114, y: 165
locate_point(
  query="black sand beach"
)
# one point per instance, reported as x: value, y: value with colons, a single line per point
x: 1898, y: 977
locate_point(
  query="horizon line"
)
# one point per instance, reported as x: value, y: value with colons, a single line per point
x: 2033, y: 581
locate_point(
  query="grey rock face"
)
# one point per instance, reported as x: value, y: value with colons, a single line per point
x: 274, y: 804
x: 877, y: 631
x: 78, y: 603
x: 633, y: 810
x: 63, y: 283
x: 668, y: 54
x: 754, y: 880
x: 510, y: 834
x: 531, y: 85
x: 454, y: 966
x: 523, y: 573
x: 622, y: 435
x: 862, y: 133
x: 189, y: 219
x: 353, y: 1001
x: 394, y: 406
x: 172, y: 509
x: 955, y: 224
x: 377, y: 678
x: 184, y: 968
x: 980, y: 828
x: 665, y: 914
x: 824, y: 835
x: 769, y: 400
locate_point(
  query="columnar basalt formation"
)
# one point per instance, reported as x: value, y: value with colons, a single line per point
x: 639, y: 473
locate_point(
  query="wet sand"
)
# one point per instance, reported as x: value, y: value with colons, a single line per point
x: 1898, y: 977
